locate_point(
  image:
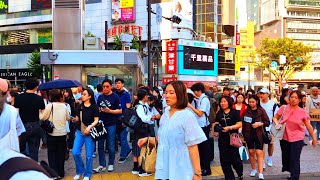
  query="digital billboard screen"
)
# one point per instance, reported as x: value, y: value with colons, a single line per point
x: 198, y: 58
x: 4, y: 6
x: 41, y: 4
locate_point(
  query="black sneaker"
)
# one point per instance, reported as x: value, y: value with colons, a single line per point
x: 122, y: 160
x: 143, y: 173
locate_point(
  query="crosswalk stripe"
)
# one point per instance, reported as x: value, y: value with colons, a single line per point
x: 216, y: 171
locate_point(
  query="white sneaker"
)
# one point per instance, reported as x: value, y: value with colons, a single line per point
x: 261, y: 176
x: 269, y: 161
x: 253, y: 173
x: 145, y: 174
x: 99, y: 169
x: 77, y: 177
x: 110, y: 168
x: 86, y: 178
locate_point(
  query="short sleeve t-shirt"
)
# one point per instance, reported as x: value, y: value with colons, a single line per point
x: 88, y: 114
x: 231, y: 118
x: 294, y: 119
x: 204, y: 106
x: 112, y: 101
x: 268, y: 107
x: 29, y: 105
x: 124, y: 99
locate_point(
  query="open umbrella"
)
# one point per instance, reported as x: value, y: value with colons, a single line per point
x: 59, y: 84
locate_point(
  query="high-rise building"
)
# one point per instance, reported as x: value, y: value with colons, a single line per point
x: 296, y: 19
x: 25, y: 25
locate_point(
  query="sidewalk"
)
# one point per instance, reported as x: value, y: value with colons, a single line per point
x: 310, y: 166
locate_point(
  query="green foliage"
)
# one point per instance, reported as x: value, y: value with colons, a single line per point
x: 89, y: 34
x: 117, y: 43
x: 297, y: 56
x: 34, y: 65
x: 135, y: 43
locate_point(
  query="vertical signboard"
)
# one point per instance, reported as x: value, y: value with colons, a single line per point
x: 122, y: 11
x: 171, y: 63
x: 4, y: 6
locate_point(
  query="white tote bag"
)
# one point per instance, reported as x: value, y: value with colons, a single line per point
x: 11, y: 140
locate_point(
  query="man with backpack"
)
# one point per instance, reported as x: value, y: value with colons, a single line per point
x: 271, y: 109
x: 202, y: 111
x: 125, y: 101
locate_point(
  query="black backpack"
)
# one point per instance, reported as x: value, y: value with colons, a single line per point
x: 131, y: 119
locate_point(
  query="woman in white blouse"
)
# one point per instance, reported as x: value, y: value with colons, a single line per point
x: 56, y: 141
x: 178, y: 136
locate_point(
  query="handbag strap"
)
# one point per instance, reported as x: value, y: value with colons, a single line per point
x: 281, y: 118
x: 81, y: 115
x: 51, y: 112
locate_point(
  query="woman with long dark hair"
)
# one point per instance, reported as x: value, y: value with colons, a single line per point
x: 254, y: 122
x: 69, y: 99
x: 88, y: 114
x: 229, y: 121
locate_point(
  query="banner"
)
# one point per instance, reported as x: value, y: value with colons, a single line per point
x: 171, y: 63
x: 122, y: 11
x: 4, y: 6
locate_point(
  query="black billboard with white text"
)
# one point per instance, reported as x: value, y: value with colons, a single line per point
x: 198, y: 58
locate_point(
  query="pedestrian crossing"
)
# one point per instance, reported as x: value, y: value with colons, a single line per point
x: 216, y: 171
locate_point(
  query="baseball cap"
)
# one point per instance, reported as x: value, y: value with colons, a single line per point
x: 264, y: 90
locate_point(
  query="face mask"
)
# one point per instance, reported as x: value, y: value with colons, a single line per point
x: 9, y: 99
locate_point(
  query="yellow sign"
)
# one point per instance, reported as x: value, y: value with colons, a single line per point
x: 250, y: 33
x: 126, y: 3
x: 237, y: 62
x: 243, y: 36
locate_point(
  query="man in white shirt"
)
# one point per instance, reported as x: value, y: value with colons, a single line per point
x: 202, y: 111
x: 271, y: 108
x: 313, y: 102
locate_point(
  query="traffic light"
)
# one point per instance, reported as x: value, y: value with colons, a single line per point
x: 176, y: 19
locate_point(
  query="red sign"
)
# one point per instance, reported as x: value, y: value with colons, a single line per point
x: 171, y: 63
x: 133, y: 29
x: 167, y: 80
x: 237, y: 38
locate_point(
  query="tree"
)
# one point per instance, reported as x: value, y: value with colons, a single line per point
x: 34, y: 65
x: 118, y: 44
x: 297, y: 57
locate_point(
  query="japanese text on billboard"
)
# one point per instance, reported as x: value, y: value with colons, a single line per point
x: 198, y: 58
x: 171, y: 63
x: 122, y: 11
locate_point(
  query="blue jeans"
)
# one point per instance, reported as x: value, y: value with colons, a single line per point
x: 125, y: 148
x: 111, y: 135
x: 76, y: 151
x: 315, y: 125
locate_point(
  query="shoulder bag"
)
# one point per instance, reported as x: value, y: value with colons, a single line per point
x: 266, y: 136
x: 147, y: 158
x: 235, y: 140
x: 48, y: 125
x: 97, y: 133
x: 278, y: 131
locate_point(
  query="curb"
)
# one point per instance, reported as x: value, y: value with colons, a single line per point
x: 280, y: 176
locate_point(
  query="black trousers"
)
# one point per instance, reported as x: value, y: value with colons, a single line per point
x: 56, y: 151
x: 204, y: 149
x: 291, y: 152
x: 230, y: 157
x: 32, y: 139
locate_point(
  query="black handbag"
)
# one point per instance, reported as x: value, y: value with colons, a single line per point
x: 267, y: 136
x: 98, y: 132
x: 47, y: 125
x: 131, y: 119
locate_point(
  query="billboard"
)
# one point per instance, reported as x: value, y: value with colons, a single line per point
x: 41, y: 4
x: 195, y: 60
x: 122, y: 11
x: 183, y: 9
x: 171, y: 62
x: 4, y: 6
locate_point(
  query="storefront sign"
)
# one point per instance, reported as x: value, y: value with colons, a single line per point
x: 238, y: 39
x: 4, y: 6
x: 41, y: 4
x: 122, y: 11
x: 117, y: 30
x: 171, y: 63
x: 167, y: 80
x: 11, y: 74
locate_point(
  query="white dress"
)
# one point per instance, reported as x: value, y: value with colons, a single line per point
x: 174, y: 136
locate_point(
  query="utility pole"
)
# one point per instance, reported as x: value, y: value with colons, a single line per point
x: 106, y: 35
x: 149, y: 41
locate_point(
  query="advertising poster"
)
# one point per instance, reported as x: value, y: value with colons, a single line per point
x: 41, y: 4
x: 183, y: 9
x: 198, y: 58
x: 4, y: 6
x: 122, y: 11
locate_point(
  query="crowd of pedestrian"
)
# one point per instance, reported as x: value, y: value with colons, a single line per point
x: 177, y: 122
